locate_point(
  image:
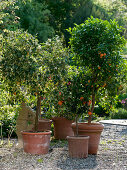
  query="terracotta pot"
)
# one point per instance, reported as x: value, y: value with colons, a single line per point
x: 78, y: 146
x: 92, y: 130
x: 44, y: 124
x: 36, y: 143
x: 62, y: 127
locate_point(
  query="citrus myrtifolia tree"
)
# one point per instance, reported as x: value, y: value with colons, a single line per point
x: 76, y: 98
x: 97, y: 44
x: 56, y: 56
x: 22, y: 67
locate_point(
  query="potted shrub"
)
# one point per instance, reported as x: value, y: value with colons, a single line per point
x: 76, y: 98
x: 96, y: 45
x: 24, y: 72
x: 57, y: 62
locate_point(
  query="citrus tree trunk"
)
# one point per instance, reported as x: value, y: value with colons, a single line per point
x: 38, y: 110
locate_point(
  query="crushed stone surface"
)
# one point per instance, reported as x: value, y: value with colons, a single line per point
x: 112, y: 154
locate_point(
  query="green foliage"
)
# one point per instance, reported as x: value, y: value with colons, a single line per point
x: 119, y: 114
x: 8, y: 19
x: 34, y: 17
x: 65, y: 13
x: 8, y: 115
x: 97, y: 45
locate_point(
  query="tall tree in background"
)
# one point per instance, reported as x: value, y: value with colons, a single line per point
x: 34, y: 17
x: 65, y: 13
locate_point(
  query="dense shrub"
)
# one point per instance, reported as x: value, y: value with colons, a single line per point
x: 119, y: 114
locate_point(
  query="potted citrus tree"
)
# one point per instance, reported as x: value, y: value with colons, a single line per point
x: 54, y: 95
x: 24, y: 72
x: 96, y: 45
x: 76, y: 98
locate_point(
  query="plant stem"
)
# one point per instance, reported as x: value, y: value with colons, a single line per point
x: 76, y: 120
x: 37, y: 112
x: 92, y: 109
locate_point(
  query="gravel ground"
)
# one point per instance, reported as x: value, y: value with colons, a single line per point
x: 112, y: 154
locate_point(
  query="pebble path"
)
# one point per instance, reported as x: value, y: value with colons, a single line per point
x: 112, y: 154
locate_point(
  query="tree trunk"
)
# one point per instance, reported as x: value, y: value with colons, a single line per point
x: 92, y: 109
x: 37, y: 112
x: 76, y: 120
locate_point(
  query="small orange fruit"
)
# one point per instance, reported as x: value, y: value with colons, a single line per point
x: 109, y: 64
x: 60, y: 103
x: 99, y: 67
x: 14, y: 93
x: 81, y: 98
x: 89, y: 113
x: 101, y: 55
x: 88, y: 81
x: 104, y: 54
x: 89, y: 103
x: 116, y: 65
x: 84, y: 102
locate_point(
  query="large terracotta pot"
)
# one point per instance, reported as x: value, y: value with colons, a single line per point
x: 36, y: 143
x: 92, y: 130
x: 62, y: 127
x: 44, y: 124
x: 78, y: 146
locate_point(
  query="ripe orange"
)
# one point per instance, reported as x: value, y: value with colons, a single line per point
x: 101, y: 55
x: 116, y: 65
x: 104, y: 54
x: 89, y: 113
x: 99, y: 67
x: 81, y: 98
x: 89, y: 103
x: 88, y: 81
x: 14, y: 93
x: 60, y: 103
x: 109, y: 64
x: 84, y: 102
x: 92, y: 86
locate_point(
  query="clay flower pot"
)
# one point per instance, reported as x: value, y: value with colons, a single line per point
x: 44, y: 124
x: 78, y: 146
x: 62, y: 127
x: 36, y: 143
x: 92, y: 130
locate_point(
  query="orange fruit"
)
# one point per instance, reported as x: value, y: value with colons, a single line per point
x: 109, y: 64
x: 99, y: 67
x: 92, y: 86
x: 14, y: 93
x: 116, y: 65
x: 104, y: 54
x: 88, y: 81
x: 81, y: 98
x: 89, y: 113
x: 101, y: 55
x: 60, y: 103
x: 89, y: 103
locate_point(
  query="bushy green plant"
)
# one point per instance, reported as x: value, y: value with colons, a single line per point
x: 97, y: 44
x: 120, y: 113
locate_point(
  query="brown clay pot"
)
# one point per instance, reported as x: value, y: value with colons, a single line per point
x: 36, y: 143
x: 44, y: 124
x: 62, y: 127
x: 78, y: 146
x: 92, y: 130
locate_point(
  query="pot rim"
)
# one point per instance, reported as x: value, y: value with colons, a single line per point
x: 47, y: 132
x: 78, y: 137
x: 45, y: 120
